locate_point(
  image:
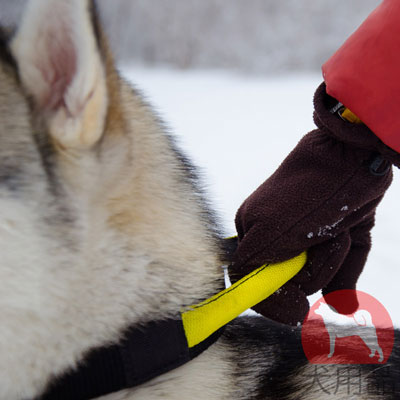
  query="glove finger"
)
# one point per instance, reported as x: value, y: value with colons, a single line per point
x: 323, y: 262
x: 350, y: 270
x: 253, y: 252
x: 288, y: 305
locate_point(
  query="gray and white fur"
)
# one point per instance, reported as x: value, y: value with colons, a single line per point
x: 102, y: 226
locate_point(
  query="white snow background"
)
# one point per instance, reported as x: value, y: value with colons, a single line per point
x: 238, y: 129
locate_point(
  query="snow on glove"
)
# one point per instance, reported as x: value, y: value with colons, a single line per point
x: 321, y: 199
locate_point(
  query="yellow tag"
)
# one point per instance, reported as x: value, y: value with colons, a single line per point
x: 351, y: 117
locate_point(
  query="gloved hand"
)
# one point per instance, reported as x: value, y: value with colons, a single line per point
x: 321, y: 199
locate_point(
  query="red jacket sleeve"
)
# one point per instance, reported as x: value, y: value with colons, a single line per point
x: 364, y: 74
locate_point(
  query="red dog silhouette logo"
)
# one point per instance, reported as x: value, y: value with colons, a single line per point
x: 364, y: 337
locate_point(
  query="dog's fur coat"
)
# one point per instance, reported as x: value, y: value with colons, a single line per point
x: 102, y: 226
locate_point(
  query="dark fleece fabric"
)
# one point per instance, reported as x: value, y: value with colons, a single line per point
x: 321, y: 199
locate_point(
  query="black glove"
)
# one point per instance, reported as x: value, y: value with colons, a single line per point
x: 321, y: 199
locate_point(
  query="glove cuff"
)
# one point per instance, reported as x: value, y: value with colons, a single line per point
x: 356, y: 135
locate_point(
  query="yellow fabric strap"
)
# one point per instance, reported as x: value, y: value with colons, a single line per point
x: 351, y: 117
x: 203, y: 319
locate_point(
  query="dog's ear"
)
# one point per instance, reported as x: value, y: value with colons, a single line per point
x: 61, y: 68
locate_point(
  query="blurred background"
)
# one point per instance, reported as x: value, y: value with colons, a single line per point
x: 234, y: 81
x: 254, y: 36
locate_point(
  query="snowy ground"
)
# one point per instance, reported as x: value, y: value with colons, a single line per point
x: 238, y: 129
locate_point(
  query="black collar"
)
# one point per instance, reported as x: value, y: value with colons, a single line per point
x: 144, y: 353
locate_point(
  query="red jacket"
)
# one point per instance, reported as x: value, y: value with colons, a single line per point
x: 364, y: 74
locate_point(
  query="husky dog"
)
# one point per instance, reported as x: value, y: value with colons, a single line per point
x: 103, y: 227
x: 358, y: 325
